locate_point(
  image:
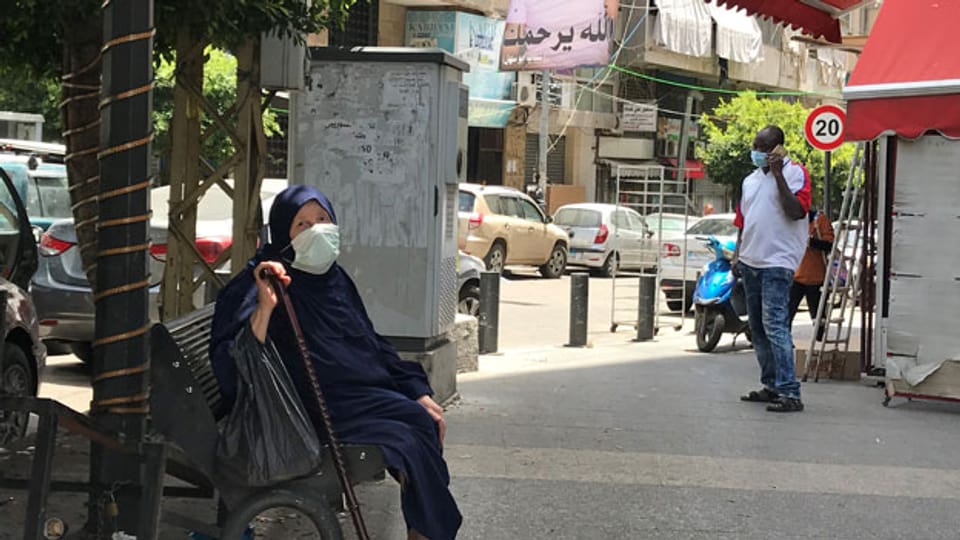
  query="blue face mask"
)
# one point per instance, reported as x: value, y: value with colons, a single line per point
x: 759, y: 158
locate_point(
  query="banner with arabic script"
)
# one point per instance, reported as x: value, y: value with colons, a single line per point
x: 557, y: 34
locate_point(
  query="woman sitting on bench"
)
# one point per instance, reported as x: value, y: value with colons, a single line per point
x: 373, y: 396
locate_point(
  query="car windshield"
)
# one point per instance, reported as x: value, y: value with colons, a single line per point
x: 577, y: 217
x: 668, y: 223
x: 715, y: 227
x: 51, y: 198
x: 466, y: 201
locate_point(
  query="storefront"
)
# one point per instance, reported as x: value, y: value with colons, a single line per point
x: 476, y: 40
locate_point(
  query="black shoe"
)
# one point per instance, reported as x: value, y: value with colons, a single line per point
x: 761, y: 396
x: 786, y: 405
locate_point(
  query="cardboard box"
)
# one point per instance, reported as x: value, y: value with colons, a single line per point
x: 835, y: 365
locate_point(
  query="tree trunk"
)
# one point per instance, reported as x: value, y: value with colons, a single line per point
x: 177, y: 289
x: 249, y: 173
x: 81, y: 124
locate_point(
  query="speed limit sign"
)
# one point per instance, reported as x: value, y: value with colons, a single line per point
x: 824, y: 128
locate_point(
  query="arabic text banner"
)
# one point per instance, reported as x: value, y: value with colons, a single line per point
x: 557, y: 34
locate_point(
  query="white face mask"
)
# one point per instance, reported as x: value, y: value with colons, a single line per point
x: 316, y: 248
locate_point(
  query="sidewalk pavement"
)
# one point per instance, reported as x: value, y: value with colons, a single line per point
x: 649, y: 440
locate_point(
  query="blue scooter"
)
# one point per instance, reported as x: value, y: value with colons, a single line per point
x: 719, y: 299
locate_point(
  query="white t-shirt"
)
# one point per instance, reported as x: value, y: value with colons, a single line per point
x: 770, y: 238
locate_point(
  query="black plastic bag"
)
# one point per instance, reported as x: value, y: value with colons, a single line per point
x: 267, y: 437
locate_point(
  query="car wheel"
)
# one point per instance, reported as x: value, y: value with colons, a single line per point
x: 496, y: 259
x: 82, y: 350
x: 16, y: 379
x: 610, y: 265
x: 469, y: 300
x: 556, y: 264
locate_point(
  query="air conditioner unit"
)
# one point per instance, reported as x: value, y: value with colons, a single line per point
x: 525, y: 89
x: 525, y: 94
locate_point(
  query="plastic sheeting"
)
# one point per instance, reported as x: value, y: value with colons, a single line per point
x: 739, y: 38
x: 685, y: 27
x: 925, y: 264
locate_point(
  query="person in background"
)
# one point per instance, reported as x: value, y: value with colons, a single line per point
x: 771, y: 242
x: 808, y: 281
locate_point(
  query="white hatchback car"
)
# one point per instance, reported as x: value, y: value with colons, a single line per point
x: 676, y: 283
x: 607, y: 237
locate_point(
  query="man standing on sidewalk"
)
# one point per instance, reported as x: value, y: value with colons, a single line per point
x: 772, y: 239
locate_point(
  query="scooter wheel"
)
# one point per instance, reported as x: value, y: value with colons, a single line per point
x: 709, y: 329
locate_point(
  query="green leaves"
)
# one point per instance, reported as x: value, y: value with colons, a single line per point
x: 732, y: 126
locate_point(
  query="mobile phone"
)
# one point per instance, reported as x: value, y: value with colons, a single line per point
x: 779, y: 150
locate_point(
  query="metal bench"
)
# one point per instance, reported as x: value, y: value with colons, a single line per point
x: 185, y: 398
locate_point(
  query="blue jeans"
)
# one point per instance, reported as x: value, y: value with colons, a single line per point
x: 768, y: 301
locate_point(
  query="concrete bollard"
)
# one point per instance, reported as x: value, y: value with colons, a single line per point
x: 645, y: 310
x: 579, y: 308
x: 489, y: 319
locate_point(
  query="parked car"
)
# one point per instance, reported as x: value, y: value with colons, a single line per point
x: 39, y: 178
x: 672, y: 225
x: 506, y: 227
x: 23, y: 354
x: 677, y: 285
x: 60, y: 288
x: 607, y: 237
x: 468, y: 284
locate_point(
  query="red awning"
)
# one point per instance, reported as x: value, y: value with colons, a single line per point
x: 907, y: 80
x: 814, y: 17
x: 693, y: 168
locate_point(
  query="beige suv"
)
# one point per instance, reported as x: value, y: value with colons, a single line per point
x: 506, y: 227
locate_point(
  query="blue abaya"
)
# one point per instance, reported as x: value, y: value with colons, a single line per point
x: 371, y: 393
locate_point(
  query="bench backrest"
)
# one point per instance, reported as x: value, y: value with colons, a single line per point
x: 185, y: 394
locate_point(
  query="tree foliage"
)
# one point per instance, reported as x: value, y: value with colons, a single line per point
x: 32, y: 95
x: 219, y: 88
x: 732, y: 126
x: 33, y: 34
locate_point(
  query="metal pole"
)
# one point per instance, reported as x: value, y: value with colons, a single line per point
x: 681, y: 179
x: 121, y: 383
x: 544, y: 131
x: 826, y: 184
x: 489, y: 312
x: 645, y: 315
x: 579, y: 308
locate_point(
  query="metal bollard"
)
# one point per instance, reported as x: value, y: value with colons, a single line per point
x: 647, y: 304
x: 579, y: 307
x: 489, y: 319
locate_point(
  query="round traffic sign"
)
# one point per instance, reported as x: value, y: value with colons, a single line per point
x: 824, y: 127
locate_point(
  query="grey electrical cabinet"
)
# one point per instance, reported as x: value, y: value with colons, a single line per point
x: 383, y: 133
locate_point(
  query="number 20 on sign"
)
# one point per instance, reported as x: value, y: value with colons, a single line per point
x: 824, y: 127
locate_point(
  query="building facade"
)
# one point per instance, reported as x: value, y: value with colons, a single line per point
x: 600, y: 115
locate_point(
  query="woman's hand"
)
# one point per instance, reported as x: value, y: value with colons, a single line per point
x: 266, y: 298
x: 436, y: 412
